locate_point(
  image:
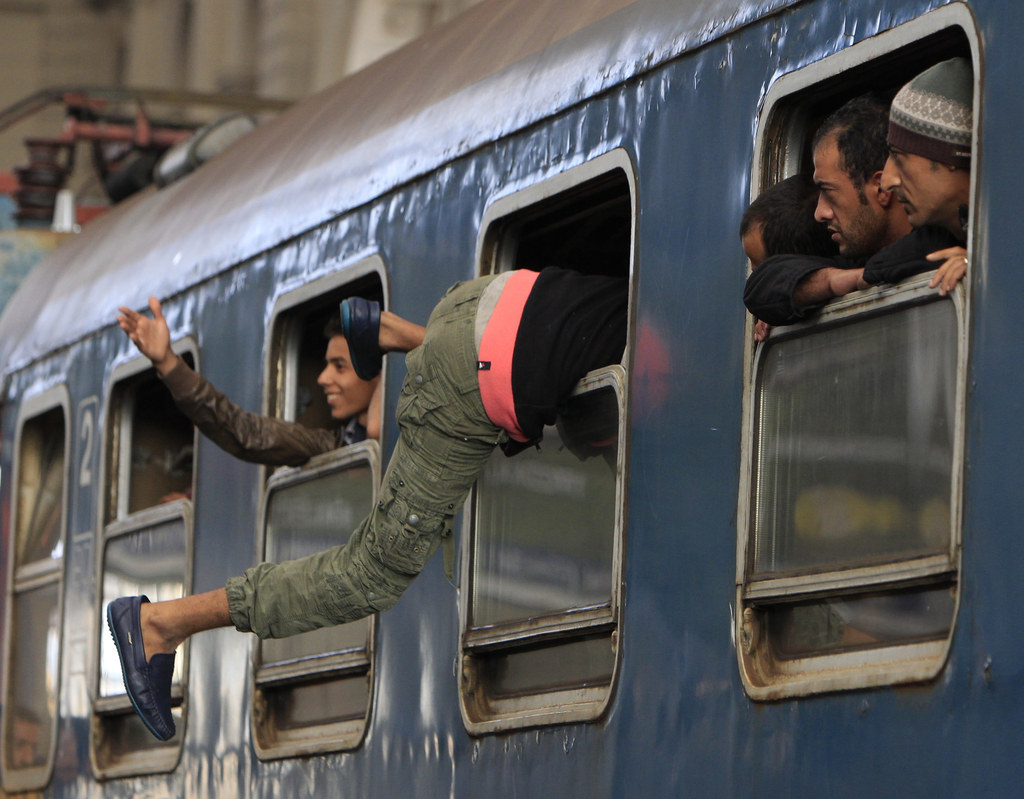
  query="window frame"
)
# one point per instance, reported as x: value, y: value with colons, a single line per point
x: 280, y: 398
x: 767, y: 678
x: 482, y: 714
x: 114, y: 521
x: 33, y: 576
x: 281, y: 359
x: 354, y: 663
x: 781, y: 137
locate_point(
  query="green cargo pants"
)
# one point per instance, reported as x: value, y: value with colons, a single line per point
x: 445, y: 438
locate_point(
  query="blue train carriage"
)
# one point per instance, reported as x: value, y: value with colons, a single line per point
x: 783, y: 573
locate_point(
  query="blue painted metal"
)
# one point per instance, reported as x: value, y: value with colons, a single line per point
x: 679, y: 87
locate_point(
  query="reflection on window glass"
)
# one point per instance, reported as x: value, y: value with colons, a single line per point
x: 161, y: 448
x: 317, y: 703
x: 585, y: 663
x: 308, y: 517
x: 125, y: 736
x: 855, y: 435
x: 860, y: 622
x: 150, y: 561
x: 31, y: 705
x: 546, y: 519
x: 41, y: 488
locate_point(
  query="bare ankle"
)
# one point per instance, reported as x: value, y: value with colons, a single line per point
x: 157, y: 638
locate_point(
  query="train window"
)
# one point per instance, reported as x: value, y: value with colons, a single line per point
x: 298, y: 340
x: 145, y: 549
x: 312, y: 692
x: 32, y: 661
x: 151, y: 445
x: 850, y: 573
x: 543, y: 559
x: 849, y: 566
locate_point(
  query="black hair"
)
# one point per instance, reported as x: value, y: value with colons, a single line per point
x: 860, y: 127
x: 332, y: 327
x: 785, y: 213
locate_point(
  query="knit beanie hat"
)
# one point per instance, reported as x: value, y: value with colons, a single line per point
x: 931, y: 116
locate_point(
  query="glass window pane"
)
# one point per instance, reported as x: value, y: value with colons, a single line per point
x: 308, y: 517
x: 855, y: 436
x: 546, y: 518
x: 31, y: 706
x: 162, y: 448
x: 860, y: 622
x: 41, y: 488
x: 125, y: 736
x: 312, y: 704
x: 150, y: 561
x: 563, y: 665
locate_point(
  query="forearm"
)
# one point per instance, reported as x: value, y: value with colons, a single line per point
x: 771, y: 292
x: 827, y: 284
x: 247, y: 436
x: 164, y: 366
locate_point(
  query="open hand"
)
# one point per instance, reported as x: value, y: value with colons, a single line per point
x: 151, y: 336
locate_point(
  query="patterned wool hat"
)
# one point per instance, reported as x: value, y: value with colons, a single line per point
x: 931, y: 115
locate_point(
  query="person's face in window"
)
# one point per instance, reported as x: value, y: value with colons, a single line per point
x: 25, y: 748
x: 853, y: 214
x: 346, y: 394
x: 931, y: 192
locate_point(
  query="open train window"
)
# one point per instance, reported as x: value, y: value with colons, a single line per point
x: 312, y: 692
x: 848, y: 573
x: 145, y: 549
x: 33, y: 640
x: 543, y: 559
x: 299, y: 339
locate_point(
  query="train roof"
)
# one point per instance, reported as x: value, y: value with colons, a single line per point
x: 350, y: 143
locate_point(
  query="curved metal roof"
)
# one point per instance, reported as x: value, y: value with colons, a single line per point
x: 350, y: 143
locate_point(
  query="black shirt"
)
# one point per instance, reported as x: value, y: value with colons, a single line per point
x: 770, y: 289
x: 572, y: 323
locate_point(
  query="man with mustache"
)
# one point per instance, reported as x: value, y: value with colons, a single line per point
x: 929, y: 166
x: 857, y: 180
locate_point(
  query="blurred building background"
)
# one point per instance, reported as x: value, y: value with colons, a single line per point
x: 99, y: 144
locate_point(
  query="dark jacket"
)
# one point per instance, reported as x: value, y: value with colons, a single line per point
x: 250, y: 436
x: 770, y: 290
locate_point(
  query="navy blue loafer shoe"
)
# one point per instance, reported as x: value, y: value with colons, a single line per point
x: 360, y: 319
x: 148, y: 683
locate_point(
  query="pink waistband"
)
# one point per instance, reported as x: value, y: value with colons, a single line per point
x: 494, y: 359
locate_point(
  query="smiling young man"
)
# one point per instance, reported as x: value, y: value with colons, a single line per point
x: 251, y: 436
x: 498, y: 358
